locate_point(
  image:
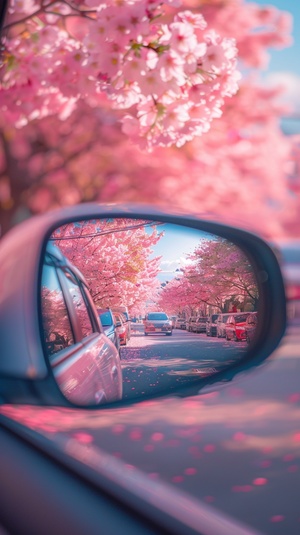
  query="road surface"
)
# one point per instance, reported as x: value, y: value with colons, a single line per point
x: 158, y: 363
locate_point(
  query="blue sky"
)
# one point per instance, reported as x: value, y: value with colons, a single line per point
x: 284, y: 65
x: 286, y: 59
x: 176, y: 244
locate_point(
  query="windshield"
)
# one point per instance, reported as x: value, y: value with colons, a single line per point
x: 106, y: 319
x: 240, y: 318
x: 157, y: 316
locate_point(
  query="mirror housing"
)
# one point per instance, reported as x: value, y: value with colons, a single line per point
x: 25, y: 373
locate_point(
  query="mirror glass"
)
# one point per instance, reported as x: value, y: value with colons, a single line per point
x: 133, y: 308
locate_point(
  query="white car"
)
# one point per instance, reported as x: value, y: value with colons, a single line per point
x: 158, y: 322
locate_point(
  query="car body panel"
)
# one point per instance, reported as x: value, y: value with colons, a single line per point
x: 92, y: 374
x: 108, y: 323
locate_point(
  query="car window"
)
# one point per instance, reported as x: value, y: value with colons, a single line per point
x: 56, y: 323
x: 240, y: 318
x: 106, y: 319
x: 79, y: 304
x: 157, y: 316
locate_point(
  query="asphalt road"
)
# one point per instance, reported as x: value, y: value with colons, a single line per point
x: 158, y: 363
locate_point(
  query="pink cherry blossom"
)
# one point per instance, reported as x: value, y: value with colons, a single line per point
x: 74, y: 94
x: 123, y: 53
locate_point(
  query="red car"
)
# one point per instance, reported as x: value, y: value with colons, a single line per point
x: 121, y: 328
x: 235, y: 327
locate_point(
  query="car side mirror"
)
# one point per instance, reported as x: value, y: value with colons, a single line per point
x: 79, y: 259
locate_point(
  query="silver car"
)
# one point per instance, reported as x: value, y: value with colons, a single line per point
x: 158, y: 322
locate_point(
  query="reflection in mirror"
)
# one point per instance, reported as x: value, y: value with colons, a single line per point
x: 133, y: 308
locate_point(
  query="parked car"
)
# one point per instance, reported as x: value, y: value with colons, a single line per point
x: 221, y: 322
x: 197, y: 324
x: 251, y: 326
x: 109, y: 325
x: 73, y: 335
x: 124, y: 311
x: 173, y: 319
x: 191, y: 321
x: 211, y: 325
x: 121, y: 328
x: 235, y: 327
x: 157, y: 322
x: 180, y: 323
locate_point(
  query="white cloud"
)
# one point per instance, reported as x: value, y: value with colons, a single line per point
x: 172, y: 265
x: 291, y: 84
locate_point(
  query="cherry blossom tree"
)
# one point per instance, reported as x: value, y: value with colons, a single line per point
x: 218, y: 277
x: 224, y: 271
x: 51, y: 163
x: 114, y: 256
x: 177, y: 297
x: 256, y: 28
x: 171, y: 78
